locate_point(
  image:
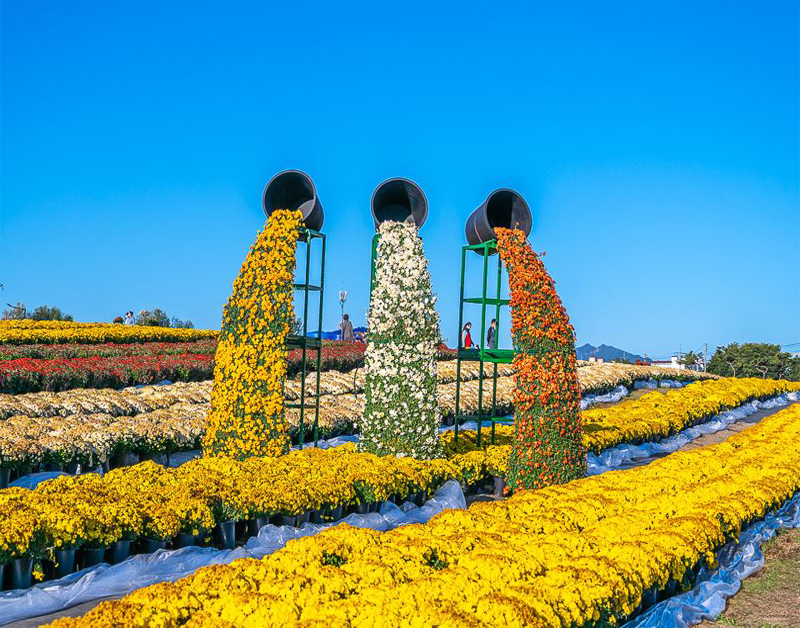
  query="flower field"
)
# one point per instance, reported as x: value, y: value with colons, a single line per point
x: 32, y: 375
x: 90, y: 426
x: 54, y: 367
x: 105, y: 350
x: 592, y: 552
x: 217, y: 490
x: 27, y: 332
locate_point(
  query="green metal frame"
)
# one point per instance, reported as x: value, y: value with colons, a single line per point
x: 306, y: 342
x: 375, y: 240
x: 481, y: 355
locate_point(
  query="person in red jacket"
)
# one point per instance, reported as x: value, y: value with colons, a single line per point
x: 466, y: 336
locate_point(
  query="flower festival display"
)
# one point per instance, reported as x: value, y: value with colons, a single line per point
x: 401, y: 413
x: 588, y: 554
x: 248, y: 410
x: 548, y: 447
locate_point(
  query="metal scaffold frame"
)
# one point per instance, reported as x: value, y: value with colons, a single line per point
x: 482, y: 354
x: 305, y: 342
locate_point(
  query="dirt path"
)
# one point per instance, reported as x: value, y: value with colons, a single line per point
x: 770, y: 598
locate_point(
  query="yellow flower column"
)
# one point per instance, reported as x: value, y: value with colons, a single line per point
x: 248, y: 412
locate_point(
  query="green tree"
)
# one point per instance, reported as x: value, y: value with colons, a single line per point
x: 689, y: 358
x: 753, y: 359
x: 45, y: 313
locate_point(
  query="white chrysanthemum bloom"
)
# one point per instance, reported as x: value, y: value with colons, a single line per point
x: 401, y: 416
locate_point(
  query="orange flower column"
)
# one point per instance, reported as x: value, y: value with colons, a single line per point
x: 248, y: 411
x: 548, y: 446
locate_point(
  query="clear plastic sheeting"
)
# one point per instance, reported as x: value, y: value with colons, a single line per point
x: 33, y: 480
x: 658, y: 383
x: 168, y: 565
x: 615, y: 457
x: 620, y: 392
x: 737, y: 561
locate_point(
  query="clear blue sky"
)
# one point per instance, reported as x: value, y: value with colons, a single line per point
x: 657, y: 144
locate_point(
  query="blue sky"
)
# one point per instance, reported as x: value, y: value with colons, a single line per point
x: 657, y: 145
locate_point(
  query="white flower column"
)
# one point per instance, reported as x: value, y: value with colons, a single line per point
x: 401, y: 416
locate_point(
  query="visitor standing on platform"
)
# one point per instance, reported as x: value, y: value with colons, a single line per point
x: 491, y: 335
x: 466, y: 336
x: 347, y: 329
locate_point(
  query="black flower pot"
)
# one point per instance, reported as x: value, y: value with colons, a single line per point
x: 123, y: 460
x: 288, y: 520
x: 118, y: 552
x: 22, y: 573
x: 182, y: 539
x: 148, y: 546
x: 73, y: 468
x: 317, y: 516
x: 225, y: 534
x: 22, y: 472
x: 5, y: 478
x: 649, y: 597
x: 92, y: 557
x: 255, y: 524
x: 65, y: 563
x: 372, y: 507
x: 499, y: 486
x: 158, y: 458
x: 241, y: 532
x: 419, y: 498
x: 53, y: 467
x: 669, y: 590
x: 3, y: 570
x: 359, y: 509
x: 304, y: 518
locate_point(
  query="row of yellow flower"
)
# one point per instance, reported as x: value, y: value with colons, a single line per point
x: 582, y: 554
x: 146, y: 500
x: 655, y: 415
x: 59, y: 332
x: 212, y: 490
x: 651, y: 416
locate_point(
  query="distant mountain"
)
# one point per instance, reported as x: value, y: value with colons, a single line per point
x: 607, y: 352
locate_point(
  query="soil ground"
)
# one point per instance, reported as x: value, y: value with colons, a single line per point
x: 770, y: 598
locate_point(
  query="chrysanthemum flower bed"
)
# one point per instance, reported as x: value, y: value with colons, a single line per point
x: 302, y: 483
x: 32, y: 375
x: 148, y: 501
x: 592, y: 552
x: 57, y: 332
x: 94, y: 437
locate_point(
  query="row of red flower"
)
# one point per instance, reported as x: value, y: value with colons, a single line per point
x: 105, y: 350
x: 31, y: 375
x: 145, y: 364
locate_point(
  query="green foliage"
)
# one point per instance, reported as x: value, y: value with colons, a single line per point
x: 46, y: 313
x: 18, y: 312
x: 754, y: 359
x: 689, y: 358
x: 159, y: 318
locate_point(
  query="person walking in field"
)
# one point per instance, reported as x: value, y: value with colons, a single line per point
x: 347, y: 329
x: 466, y: 336
x: 129, y: 318
x: 491, y: 335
